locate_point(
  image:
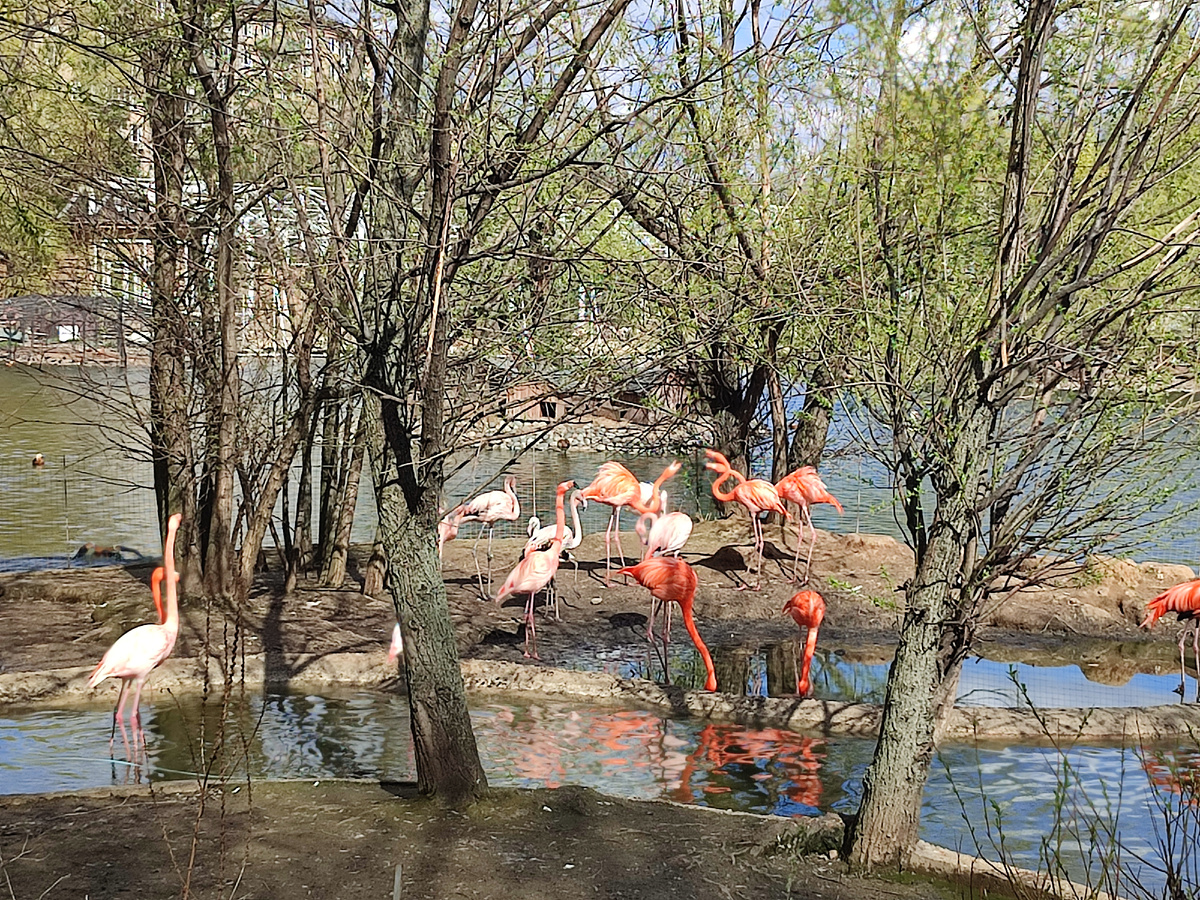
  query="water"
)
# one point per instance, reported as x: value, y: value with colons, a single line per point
x: 629, y: 753
x: 770, y: 671
x: 97, y: 482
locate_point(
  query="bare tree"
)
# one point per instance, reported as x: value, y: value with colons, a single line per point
x: 1006, y: 396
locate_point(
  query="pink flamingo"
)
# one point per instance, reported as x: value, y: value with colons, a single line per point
x: 807, y: 609
x: 488, y: 508
x: 615, y: 486
x: 804, y: 487
x: 139, y: 651
x: 541, y: 536
x: 397, y: 645
x: 756, y: 495
x: 671, y: 580
x: 1184, y: 601
x: 447, y: 530
x: 536, y: 569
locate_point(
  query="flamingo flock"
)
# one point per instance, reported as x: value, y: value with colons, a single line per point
x: 663, y: 535
x: 662, y: 571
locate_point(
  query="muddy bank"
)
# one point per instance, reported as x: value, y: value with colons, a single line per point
x: 345, y: 840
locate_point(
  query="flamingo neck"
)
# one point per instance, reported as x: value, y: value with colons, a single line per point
x: 575, y: 517
x: 810, y: 646
x: 560, y: 519
x: 723, y: 496
x: 171, y: 622
x: 710, y: 683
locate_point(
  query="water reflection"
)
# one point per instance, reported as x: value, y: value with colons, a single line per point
x: 769, y: 670
x: 983, y: 794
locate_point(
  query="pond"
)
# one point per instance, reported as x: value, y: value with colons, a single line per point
x: 630, y: 753
x: 839, y: 673
x: 96, y: 483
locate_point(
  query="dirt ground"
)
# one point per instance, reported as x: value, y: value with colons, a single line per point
x: 339, y: 839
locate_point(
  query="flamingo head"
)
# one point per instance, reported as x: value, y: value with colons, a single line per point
x: 642, y: 528
x: 565, y: 486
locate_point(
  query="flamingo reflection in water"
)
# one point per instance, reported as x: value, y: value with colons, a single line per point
x: 1176, y: 771
x: 782, y: 764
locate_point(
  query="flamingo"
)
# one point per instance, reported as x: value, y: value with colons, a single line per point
x: 807, y: 609
x: 1184, y: 601
x: 665, y: 534
x: 671, y: 580
x: 137, y: 652
x: 447, y: 530
x: 537, y: 568
x: 397, y: 645
x: 488, y: 508
x: 615, y: 486
x: 804, y: 487
x: 756, y: 495
x: 540, y: 537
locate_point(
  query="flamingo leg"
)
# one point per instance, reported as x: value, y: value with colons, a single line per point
x: 475, y: 556
x: 530, y: 630
x: 758, y: 545
x: 812, y: 543
x: 799, y: 541
x: 1182, y: 670
x: 117, y: 715
x: 139, y: 735
x: 608, y: 545
x: 491, y: 531
x: 1196, y: 658
x: 620, y: 549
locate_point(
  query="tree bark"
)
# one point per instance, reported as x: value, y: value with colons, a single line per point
x: 811, y: 430
x: 333, y: 571
x: 171, y: 450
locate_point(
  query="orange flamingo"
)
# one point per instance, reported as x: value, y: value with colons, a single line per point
x: 804, y: 487
x: 138, y: 652
x: 756, y: 495
x: 487, y: 509
x: 537, y: 569
x: 1184, y: 601
x: 615, y: 486
x: 807, y: 609
x: 665, y: 534
x: 671, y: 580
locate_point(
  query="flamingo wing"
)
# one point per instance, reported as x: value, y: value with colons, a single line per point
x: 531, y: 574
x: 134, y: 654
x: 614, y: 485
x: 760, y: 496
x: 1183, y: 599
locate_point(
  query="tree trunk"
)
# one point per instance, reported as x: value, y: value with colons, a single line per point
x: 888, y: 824
x: 171, y: 450
x: 220, y: 567
x: 447, y: 758
x: 333, y: 572
x: 889, y: 818
x: 812, y: 424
